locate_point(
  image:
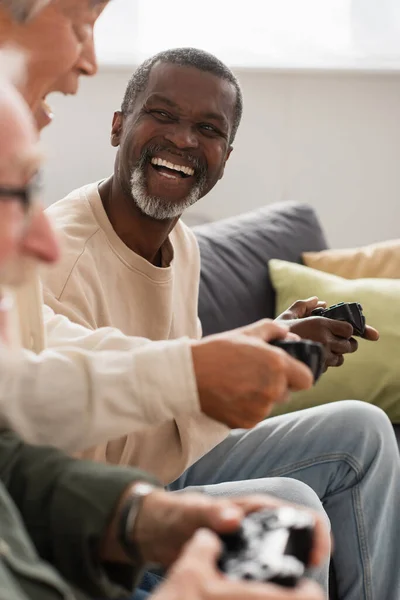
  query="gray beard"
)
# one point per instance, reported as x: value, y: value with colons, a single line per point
x: 157, y: 208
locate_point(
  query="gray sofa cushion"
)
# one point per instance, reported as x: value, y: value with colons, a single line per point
x: 235, y: 288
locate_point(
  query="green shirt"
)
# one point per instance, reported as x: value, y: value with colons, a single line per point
x: 53, y: 513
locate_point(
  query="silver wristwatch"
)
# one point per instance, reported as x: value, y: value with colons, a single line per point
x: 128, y: 517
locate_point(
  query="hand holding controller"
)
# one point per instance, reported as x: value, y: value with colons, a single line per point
x: 310, y: 353
x: 271, y: 545
x: 351, y: 312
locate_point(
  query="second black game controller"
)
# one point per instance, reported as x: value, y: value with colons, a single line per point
x: 271, y: 545
x: 310, y: 353
x: 351, y: 312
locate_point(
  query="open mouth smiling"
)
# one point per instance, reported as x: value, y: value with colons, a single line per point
x: 44, y: 114
x: 171, y: 170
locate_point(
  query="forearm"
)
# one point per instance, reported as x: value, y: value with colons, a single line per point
x: 63, y: 332
x: 76, y: 399
x: 67, y: 507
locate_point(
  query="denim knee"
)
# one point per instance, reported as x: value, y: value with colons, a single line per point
x: 357, y: 415
x: 297, y: 492
x: 360, y: 429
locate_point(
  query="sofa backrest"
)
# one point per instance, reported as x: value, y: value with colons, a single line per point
x: 235, y: 288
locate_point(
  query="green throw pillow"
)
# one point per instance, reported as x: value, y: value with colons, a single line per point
x: 372, y: 373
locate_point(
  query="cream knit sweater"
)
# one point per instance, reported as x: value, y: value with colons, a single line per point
x: 100, y: 282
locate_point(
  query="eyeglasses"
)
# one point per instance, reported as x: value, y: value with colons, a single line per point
x: 25, y: 195
x: 14, y: 193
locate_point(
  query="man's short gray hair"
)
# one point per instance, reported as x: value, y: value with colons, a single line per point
x: 23, y: 10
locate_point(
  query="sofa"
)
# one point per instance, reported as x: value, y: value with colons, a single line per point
x: 235, y: 287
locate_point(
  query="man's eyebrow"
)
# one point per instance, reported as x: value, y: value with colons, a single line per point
x: 216, y: 117
x: 160, y: 98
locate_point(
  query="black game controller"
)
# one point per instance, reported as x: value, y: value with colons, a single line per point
x: 271, y: 545
x: 308, y: 352
x: 344, y: 311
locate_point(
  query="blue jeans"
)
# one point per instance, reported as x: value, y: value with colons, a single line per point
x: 149, y: 583
x: 347, y: 453
x: 139, y: 595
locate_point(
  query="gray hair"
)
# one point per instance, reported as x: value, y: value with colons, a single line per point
x: 184, y: 57
x: 23, y: 10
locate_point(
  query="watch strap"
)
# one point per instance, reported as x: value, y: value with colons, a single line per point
x: 128, y: 515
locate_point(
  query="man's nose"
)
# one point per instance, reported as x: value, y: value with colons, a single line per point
x: 39, y: 241
x: 182, y: 135
x: 87, y: 62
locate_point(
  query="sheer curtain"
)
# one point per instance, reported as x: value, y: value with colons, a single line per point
x: 256, y: 33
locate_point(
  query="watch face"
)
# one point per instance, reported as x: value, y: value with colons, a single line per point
x: 139, y: 491
x: 142, y: 489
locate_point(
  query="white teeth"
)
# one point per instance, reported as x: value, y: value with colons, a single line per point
x: 160, y: 162
x: 47, y: 108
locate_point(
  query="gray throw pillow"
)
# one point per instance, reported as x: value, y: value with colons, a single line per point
x: 235, y: 288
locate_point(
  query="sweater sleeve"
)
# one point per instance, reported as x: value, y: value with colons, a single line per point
x: 66, y: 506
x: 75, y: 398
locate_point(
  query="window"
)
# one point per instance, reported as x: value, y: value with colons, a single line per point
x: 351, y: 34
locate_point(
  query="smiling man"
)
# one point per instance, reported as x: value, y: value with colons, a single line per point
x: 174, y: 135
x: 177, y: 135
x: 130, y: 262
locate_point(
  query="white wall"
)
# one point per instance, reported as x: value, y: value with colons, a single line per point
x: 332, y: 140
